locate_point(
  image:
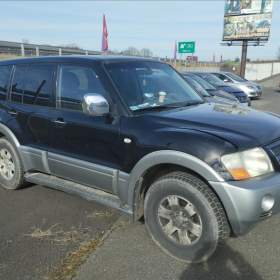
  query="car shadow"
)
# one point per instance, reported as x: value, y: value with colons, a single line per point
x: 225, y: 264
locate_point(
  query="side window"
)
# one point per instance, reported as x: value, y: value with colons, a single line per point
x: 5, y: 72
x: 74, y: 83
x: 18, y: 83
x: 223, y: 77
x: 33, y: 84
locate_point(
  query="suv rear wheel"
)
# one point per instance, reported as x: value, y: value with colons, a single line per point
x: 11, y: 171
x: 184, y: 217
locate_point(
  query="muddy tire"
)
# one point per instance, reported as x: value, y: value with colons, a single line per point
x: 184, y: 217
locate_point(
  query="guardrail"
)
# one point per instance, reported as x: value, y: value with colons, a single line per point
x: 26, y: 49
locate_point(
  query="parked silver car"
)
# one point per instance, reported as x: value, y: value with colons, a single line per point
x: 252, y: 89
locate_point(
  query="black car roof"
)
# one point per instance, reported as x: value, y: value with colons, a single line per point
x: 75, y: 58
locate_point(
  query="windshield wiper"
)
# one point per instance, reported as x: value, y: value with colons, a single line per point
x: 169, y: 106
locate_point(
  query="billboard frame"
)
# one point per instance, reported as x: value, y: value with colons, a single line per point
x: 245, y: 42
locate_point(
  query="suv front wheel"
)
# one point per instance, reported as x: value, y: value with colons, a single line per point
x: 184, y: 217
x: 11, y: 171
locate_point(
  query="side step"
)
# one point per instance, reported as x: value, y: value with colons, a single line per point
x: 88, y: 193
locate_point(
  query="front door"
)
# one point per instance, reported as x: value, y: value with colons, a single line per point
x: 84, y: 148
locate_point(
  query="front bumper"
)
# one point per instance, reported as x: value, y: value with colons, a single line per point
x: 255, y: 94
x: 242, y: 200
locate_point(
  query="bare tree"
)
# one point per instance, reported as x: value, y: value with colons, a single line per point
x: 146, y: 52
x: 25, y: 41
x: 278, y: 54
x: 131, y: 51
x: 71, y: 46
x: 135, y: 52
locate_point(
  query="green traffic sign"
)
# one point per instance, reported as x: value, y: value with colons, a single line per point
x: 186, y: 47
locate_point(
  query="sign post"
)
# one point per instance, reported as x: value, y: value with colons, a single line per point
x: 243, y: 58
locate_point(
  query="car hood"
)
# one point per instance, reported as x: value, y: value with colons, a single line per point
x: 231, y: 89
x: 223, y: 94
x: 248, y: 83
x: 241, y: 126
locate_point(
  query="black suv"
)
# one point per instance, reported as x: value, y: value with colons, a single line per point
x: 132, y: 134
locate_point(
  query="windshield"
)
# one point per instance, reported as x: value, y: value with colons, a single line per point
x: 197, y: 86
x: 212, y: 79
x: 202, y: 82
x: 144, y: 85
x: 235, y: 77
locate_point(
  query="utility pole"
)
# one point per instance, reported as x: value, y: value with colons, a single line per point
x: 243, y: 58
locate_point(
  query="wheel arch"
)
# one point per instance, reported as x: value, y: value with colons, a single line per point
x: 158, y: 163
x: 6, y: 132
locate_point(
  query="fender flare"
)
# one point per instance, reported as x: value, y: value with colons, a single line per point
x: 9, y: 135
x: 166, y: 157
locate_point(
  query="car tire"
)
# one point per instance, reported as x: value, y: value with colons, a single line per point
x: 11, y: 170
x: 186, y: 203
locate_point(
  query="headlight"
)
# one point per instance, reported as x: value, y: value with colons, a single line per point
x: 246, y: 88
x: 247, y: 164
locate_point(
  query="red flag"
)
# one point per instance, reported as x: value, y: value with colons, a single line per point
x: 104, y: 36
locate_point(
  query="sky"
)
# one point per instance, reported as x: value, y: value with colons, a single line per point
x: 142, y: 24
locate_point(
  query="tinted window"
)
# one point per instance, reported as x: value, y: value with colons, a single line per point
x: 223, y: 77
x: 197, y: 86
x: 202, y: 82
x: 212, y: 79
x: 74, y: 83
x: 236, y: 77
x: 33, y: 84
x: 4, y: 81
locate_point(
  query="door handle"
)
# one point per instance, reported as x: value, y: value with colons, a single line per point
x: 60, y: 122
x: 13, y: 113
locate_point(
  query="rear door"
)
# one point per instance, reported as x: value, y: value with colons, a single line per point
x: 32, y: 102
x: 5, y: 75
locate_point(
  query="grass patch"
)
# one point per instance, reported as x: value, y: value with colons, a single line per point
x: 58, y: 235
x: 69, y: 266
x: 102, y: 214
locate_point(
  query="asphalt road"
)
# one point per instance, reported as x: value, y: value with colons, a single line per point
x: 46, y: 234
x: 40, y: 227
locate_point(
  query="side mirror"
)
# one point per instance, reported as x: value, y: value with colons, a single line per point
x: 95, y: 104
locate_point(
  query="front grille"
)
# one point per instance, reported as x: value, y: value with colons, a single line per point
x: 275, y: 150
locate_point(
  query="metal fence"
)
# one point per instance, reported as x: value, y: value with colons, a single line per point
x: 26, y: 49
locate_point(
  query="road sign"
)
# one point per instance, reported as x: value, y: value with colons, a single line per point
x: 186, y: 47
x: 192, y: 58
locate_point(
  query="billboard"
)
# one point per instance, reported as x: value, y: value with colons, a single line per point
x: 240, y: 7
x: 247, y: 20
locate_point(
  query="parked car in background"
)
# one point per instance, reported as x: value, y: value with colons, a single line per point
x: 209, y: 88
x: 220, y: 85
x: 207, y: 96
x: 252, y: 89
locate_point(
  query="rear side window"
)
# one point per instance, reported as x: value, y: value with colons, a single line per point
x: 5, y: 72
x: 32, y: 84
